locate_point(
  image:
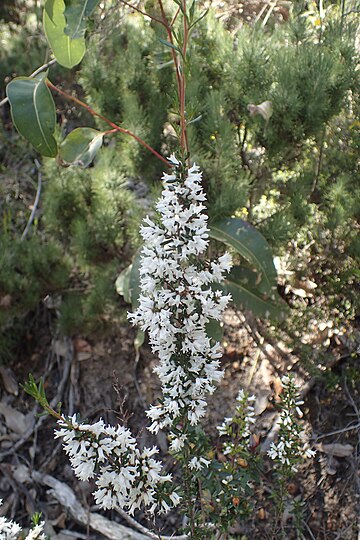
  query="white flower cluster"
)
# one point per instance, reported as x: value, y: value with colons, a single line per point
x: 290, y: 448
x: 125, y: 476
x: 9, y: 530
x: 238, y: 427
x: 177, y: 300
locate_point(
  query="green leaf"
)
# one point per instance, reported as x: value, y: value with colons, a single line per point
x: 214, y: 330
x: 128, y: 282
x: 250, y: 244
x: 171, y: 45
x: 139, y: 339
x: 33, y: 112
x: 243, y: 285
x: 68, y: 52
x: 81, y: 146
x: 76, y: 13
x: 122, y: 284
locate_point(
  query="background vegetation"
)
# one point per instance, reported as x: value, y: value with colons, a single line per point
x: 274, y: 110
x: 274, y: 106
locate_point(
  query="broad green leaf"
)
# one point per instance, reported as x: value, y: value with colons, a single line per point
x: 214, y: 330
x: 68, y: 52
x: 139, y: 339
x: 250, y: 244
x: 33, y: 112
x: 80, y: 146
x: 128, y: 282
x: 76, y: 13
x: 122, y: 284
x: 242, y: 284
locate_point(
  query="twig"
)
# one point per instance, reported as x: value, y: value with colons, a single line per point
x: 309, y: 531
x: 137, y: 386
x: 33, y: 74
x: 343, y: 430
x: 36, y: 202
x: 146, y: 531
x: 109, y: 122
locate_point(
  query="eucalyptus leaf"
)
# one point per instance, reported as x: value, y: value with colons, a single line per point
x: 67, y: 51
x: 81, y: 146
x: 76, y: 13
x: 33, y: 112
x: 128, y: 282
x: 243, y: 285
x: 122, y: 284
x: 250, y: 244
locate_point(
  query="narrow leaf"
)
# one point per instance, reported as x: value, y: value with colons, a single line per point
x: 139, y: 339
x: 81, y: 146
x: 168, y: 44
x: 33, y: 112
x: 68, y: 52
x: 76, y: 13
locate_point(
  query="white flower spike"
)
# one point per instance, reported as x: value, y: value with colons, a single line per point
x: 178, y: 300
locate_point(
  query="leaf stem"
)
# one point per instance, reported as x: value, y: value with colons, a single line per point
x: 115, y: 127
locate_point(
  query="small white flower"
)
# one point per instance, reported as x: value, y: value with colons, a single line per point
x: 173, y: 159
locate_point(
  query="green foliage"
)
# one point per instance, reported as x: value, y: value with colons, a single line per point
x: 293, y: 175
x: 30, y: 269
x: 134, y: 92
x: 68, y: 49
x: 33, y: 112
x: 81, y: 146
x: 93, y: 213
x: 76, y: 15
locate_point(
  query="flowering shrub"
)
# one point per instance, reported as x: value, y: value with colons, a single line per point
x: 290, y: 448
x: 181, y: 295
x: 179, y: 298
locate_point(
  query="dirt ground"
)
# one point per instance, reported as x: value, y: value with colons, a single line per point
x: 104, y: 377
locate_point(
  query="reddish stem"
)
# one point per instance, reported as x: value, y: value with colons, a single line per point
x: 184, y: 139
x: 170, y: 38
x: 114, y: 126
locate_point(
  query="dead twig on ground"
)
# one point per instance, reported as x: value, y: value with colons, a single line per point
x: 66, y: 497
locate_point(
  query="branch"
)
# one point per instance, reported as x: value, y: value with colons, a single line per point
x: 114, y: 126
x: 36, y: 202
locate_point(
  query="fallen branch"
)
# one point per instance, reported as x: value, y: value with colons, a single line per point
x: 114, y: 531
x: 66, y: 497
